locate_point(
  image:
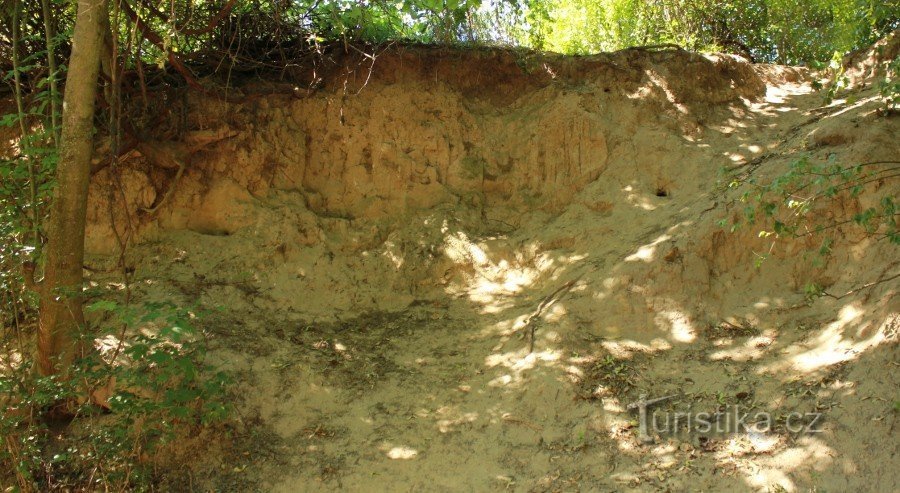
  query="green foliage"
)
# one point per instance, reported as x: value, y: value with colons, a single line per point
x: 889, y: 87
x: 784, y: 31
x: 25, y: 187
x: 808, y: 200
x: 151, y: 356
x: 255, y: 33
x: 838, y: 80
x: 26, y: 182
x: 161, y: 389
x: 813, y: 291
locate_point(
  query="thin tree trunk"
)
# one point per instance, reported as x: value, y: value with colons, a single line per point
x: 51, y: 66
x: 61, y: 315
x: 23, y: 138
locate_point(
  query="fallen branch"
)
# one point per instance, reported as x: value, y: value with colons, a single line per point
x: 864, y: 286
x: 151, y: 210
x: 547, y: 302
x: 508, y: 418
x: 169, y: 155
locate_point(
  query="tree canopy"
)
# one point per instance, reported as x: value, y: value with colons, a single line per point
x: 277, y: 32
x: 789, y: 32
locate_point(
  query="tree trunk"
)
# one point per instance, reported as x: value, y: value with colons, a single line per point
x: 61, y: 316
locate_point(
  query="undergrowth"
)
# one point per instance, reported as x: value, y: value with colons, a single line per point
x: 888, y: 84
x: 143, y: 384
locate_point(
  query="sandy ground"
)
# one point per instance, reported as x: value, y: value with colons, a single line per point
x: 379, y: 254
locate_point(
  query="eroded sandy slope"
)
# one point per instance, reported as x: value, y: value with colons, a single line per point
x: 382, y: 247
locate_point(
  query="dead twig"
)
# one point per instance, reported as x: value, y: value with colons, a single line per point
x: 519, y: 421
x: 545, y: 303
x: 864, y: 286
x: 151, y: 210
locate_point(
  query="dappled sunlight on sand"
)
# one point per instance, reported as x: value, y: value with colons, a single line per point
x: 638, y: 200
x: 10, y: 360
x: 400, y: 452
x: 489, y: 282
x: 660, y: 82
x: 678, y: 323
x: 647, y: 252
x: 752, y: 349
x: 847, y: 107
x: 782, y: 94
x: 501, y: 338
x: 609, y: 284
x: 625, y: 348
x: 107, y: 345
x: 775, y: 467
x: 517, y: 363
x: 451, y: 418
x: 835, y: 343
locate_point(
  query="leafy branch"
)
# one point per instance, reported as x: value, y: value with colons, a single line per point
x: 792, y: 204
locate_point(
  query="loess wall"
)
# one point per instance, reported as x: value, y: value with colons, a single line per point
x: 481, y: 174
x: 493, y: 130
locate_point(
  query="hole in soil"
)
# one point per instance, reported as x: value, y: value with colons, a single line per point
x: 662, y: 192
x: 207, y: 230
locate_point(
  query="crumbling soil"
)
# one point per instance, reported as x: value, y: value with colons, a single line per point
x: 379, y: 248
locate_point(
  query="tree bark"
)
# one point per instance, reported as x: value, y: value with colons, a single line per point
x: 61, y: 315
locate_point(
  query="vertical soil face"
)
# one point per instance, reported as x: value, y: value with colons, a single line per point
x: 383, y: 247
x: 422, y: 128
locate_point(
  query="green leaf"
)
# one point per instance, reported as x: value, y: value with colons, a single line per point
x: 102, y: 306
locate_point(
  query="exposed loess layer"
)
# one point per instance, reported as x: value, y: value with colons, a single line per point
x: 381, y: 242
